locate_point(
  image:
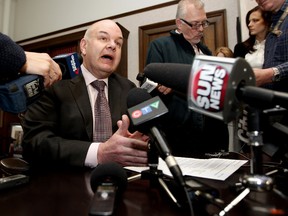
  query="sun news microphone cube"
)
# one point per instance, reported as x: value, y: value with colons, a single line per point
x: 213, y: 84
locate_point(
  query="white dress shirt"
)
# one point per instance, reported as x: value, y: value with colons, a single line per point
x: 256, y: 59
x: 91, y: 157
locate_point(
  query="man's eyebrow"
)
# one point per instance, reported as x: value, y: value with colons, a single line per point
x: 106, y: 33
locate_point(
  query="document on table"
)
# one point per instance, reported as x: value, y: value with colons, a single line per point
x: 213, y: 168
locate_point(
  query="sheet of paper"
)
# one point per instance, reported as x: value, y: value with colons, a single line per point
x: 213, y: 168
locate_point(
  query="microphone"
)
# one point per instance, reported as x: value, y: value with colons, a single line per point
x: 172, y: 75
x: 108, y: 181
x: 145, y: 83
x: 144, y: 111
x: 69, y: 64
x: 18, y: 94
x: 216, y: 86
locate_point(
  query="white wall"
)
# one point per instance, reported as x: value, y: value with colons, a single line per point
x: 244, y: 7
x: 7, y: 9
x: 37, y: 17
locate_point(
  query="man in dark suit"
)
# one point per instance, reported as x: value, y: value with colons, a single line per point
x: 59, y: 127
x: 188, y: 133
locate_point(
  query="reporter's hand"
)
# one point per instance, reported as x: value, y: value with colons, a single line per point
x: 123, y: 147
x: 42, y: 64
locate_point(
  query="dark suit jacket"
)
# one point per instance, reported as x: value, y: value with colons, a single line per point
x: 173, y: 49
x: 58, y: 128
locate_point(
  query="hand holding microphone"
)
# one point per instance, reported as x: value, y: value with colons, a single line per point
x: 42, y: 71
x: 42, y: 64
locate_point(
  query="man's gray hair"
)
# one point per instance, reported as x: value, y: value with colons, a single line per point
x: 182, y: 7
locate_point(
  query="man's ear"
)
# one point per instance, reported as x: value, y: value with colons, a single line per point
x: 178, y: 23
x: 83, y: 44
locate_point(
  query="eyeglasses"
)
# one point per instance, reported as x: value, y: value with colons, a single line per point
x: 196, y: 25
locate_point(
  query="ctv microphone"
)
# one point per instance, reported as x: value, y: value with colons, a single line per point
x: 108, y: 181
x: 144, y: 116
x: 69, y: 64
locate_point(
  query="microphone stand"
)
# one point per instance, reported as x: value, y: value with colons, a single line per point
x: 256, y: 180
x: 154, y: 174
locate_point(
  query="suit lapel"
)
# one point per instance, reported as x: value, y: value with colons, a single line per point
x: 115, y: 98
x: 81, y: 97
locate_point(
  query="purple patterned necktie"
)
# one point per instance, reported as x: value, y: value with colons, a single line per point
x: 103, y: 122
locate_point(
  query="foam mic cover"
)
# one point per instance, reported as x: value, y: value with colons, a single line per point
x: 137, y: 96
x: 172, y: 75
x: 109, y: 173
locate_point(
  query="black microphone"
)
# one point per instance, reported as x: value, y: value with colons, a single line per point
x: 16, y: 95
x: 108, y: 181
x: 216, y: 86
x: 144, y: 112
x: 69, y: 64
x: 172, y: 75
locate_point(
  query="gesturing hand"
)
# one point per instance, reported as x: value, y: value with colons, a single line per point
x: 123, y: 147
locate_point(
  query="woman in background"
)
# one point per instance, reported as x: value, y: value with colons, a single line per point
x: 252, y: 49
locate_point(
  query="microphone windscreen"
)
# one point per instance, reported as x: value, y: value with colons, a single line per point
x: 136, y: 96
x: 172, y: 75
x: 109, y: 173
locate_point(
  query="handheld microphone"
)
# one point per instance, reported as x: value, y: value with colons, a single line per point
x: 69, y: 64
x: 143, y: 116
x: 18, y: 94
x: 108, y: 181
x: 216, y: 86
x: 149, y: 85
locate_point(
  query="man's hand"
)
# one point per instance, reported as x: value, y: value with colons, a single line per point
x: 123, y: 147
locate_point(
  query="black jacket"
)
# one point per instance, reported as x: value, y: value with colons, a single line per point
x: 12, y: 58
